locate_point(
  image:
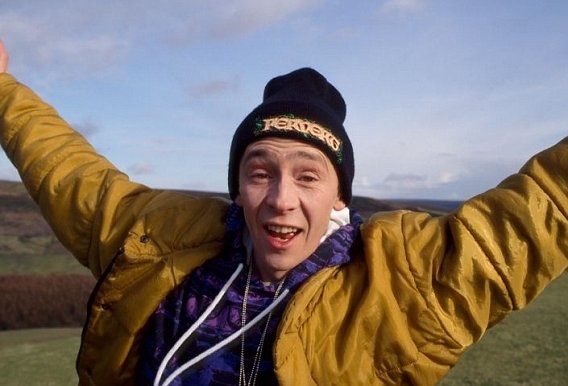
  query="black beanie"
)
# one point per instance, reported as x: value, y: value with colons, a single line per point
x: 304, y: 106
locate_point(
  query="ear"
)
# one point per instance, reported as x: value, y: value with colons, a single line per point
x: 238, y: 200
x: 339, y: 204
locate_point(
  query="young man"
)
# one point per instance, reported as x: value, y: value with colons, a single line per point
x: 394, y: 300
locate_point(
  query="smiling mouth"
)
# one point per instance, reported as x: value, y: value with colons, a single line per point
x: 283, y: 233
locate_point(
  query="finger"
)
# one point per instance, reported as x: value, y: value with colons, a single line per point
x: 3, y: 57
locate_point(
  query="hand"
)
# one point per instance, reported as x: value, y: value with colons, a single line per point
x: 3, y: 58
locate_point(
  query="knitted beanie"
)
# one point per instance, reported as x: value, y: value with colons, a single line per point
x: 303, y: 106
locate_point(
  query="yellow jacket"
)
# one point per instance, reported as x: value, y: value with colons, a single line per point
x: 420, y: 291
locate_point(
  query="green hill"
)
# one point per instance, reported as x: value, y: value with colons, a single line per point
x: 27, y: 244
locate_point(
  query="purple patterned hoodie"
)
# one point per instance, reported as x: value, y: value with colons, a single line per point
x: 180, y: 309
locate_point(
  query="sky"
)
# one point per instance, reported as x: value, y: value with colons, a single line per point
x: 444, y: 98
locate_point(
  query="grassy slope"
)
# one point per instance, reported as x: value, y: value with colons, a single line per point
x: 40, y: 264
x: 38, y: 357
x: 530, y: 347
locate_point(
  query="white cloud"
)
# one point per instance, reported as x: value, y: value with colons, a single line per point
x: 213, y: 87
x: 405, y: 179
x: 79, y: 36
x: 186, y: 22
x: 141, y: 168
x: 37, y: 42
x: 246, y: 16
x: 402, y: 5
x: 399, y: 182
x: 446, y: 178
x: 86, y: 128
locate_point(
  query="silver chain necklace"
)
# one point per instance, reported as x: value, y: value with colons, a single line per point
x: 256, y: 362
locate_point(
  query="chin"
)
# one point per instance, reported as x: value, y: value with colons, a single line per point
x: 275, y: 270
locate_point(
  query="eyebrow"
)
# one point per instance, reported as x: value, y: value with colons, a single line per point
x: 307, y: 155
x: 263, y: 153
x: 256, y: 153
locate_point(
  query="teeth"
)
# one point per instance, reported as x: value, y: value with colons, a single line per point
x: 280, y: 229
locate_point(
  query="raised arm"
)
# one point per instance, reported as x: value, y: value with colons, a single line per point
x: 498, y: 251
x: 447, y: 279
x: 79, y: 192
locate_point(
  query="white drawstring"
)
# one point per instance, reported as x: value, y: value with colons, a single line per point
x: 194, y: 326
x: 337, y: 219
x: 227, y: 340
x: 219, y: 345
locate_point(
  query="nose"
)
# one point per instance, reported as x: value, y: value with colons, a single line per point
x: 282, y: 195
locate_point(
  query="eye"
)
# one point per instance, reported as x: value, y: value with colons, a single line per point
x: 259, y: 175
x: 308, y: 177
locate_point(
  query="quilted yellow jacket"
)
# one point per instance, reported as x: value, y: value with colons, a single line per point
x: 417, y: 294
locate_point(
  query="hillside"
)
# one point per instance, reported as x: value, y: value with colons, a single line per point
x: 26, y: 235
x: 19, y: 215
x: 27, y: 244
x: 35, y: 268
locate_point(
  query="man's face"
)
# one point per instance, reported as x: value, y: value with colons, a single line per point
x: 287, y: 190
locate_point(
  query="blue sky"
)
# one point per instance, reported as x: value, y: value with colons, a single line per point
x: 444, y: 98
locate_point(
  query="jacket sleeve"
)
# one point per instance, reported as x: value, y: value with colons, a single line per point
x: 497, y: 252
x: 82, y: 195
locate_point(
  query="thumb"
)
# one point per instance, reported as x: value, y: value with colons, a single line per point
x: 3, y: 58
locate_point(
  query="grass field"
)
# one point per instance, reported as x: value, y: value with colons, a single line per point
x: 27, y: 264
x: 529, y: 348
x: 39, y: 357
